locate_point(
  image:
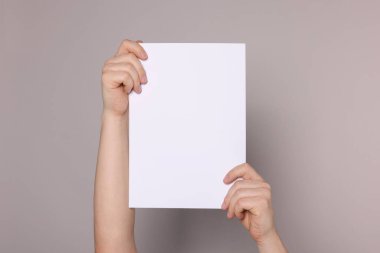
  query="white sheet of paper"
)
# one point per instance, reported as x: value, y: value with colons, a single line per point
x: 188, y: 126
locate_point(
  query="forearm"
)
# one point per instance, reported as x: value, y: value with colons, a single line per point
x: 272, y: 244
x: 114, y: 220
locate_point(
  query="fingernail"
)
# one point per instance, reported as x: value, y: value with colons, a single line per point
x: 144, y: 79
x: 223, y: 205
x: 144, y: 55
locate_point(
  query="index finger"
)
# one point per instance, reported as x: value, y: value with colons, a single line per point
x: 244, y: 171
x: 130, y: 46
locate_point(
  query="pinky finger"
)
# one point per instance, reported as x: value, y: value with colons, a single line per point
x: 250, y: 204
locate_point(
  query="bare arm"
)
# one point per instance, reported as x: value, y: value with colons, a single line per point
x: 113, y: 219
x: 249, y: 200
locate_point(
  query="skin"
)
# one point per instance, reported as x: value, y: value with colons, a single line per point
x: 248, y: 199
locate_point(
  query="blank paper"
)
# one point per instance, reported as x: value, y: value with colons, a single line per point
x: 187, y: 128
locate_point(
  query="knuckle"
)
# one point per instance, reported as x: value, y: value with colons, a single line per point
x: 235, y: 187
x: 129, y: 87
x: 129, y: 83
x: 131, y: 80
x: 267, y: 185
x: 269, y: 194
x: 108, y: 61
x: 129, y: 67
x: 125, y: 42
x: 104, y: 78
x: 105, y: 66
x: 126, y: 77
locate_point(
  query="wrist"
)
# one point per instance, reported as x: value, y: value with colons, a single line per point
x: 271, y: 242
x: 110, y: 115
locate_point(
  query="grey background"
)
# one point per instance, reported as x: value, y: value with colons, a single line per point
x: 312, y: 115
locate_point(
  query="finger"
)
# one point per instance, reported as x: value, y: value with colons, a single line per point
x: 135, y: 76
x: 244, y: 171
x: 128, y: 83
x: 123, y: 66
x: 239, y: 184
x: 244, y: 193
x: 121, y: 60
x: 126, y: 68
x: 129, y: 46
x: 252, y: 204
x: 114, y: 79
x: 245, y: 221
